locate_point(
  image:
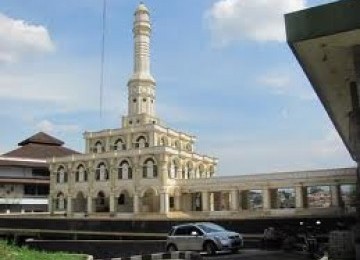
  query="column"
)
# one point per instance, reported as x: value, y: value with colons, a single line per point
x: 177, y: 202
x: 212, y: 202
x: 299, y: 197
x: 136, y: 203
x: 266, y: 198
x: 112, y: 204
x: 89, y: 205
x: 164, y: 202
x: 51, y: 205
x: 69, y: 205
x: 205, y: 201
x: 234, y: 200
x: 335, y: 195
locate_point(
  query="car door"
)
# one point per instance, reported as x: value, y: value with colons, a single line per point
x: 195, y: 240
x: 181, y: 237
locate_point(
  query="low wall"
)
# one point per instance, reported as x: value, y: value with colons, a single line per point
x: 100, y: 249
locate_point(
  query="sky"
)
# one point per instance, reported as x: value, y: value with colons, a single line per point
x: 223, y: 70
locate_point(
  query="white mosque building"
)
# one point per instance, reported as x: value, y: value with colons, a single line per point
x: 146, y: 169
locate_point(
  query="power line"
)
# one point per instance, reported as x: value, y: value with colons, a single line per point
x: 102, y: 61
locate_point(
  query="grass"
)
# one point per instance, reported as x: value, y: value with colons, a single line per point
x: 11, y: 252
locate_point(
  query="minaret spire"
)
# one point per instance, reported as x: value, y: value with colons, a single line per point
x: 141, y: 85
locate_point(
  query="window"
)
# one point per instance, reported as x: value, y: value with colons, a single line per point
x: 100, y: 198
x: 99, y: 147
x: 101, y: 173
x: 171, y: 202
x: 61, y: 175
x: 119, y: 145
x: 124, y: 171
x: 80, y: 174
x: 40, y: 173
x: 149, y: 169
x: 183, y: 231
x: 141, y: 142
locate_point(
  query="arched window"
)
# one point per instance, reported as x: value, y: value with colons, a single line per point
x: 61, y: 175
x: 162, y: 141
x: 99, y: 148
x: 202, y: 172
x: 101, y: 173
x: 177, y: 144
x: 149, y: 169
x: 124, y: 171
x: 80, y: 174
x: 189, y: 170
x: 141, y: 142
x: 119, y: 145
x: 172, y: 169
x: 60, y: 199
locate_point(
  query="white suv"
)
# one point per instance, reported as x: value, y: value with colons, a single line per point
x: 203, y: 236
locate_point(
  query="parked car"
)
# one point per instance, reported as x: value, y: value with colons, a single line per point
x: 203, y: 236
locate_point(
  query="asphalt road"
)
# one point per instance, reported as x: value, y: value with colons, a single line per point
x: 255, y: 254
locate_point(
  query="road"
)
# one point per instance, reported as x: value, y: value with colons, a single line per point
x: 255, y: 254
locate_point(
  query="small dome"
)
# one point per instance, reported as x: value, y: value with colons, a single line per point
x: 142, y: 7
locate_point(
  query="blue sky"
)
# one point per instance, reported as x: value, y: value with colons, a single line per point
x: 223, y: 69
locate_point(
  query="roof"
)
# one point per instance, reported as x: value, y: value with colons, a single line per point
x: 11, y: 162
x: 41, y: 138
x: 324, y: 40
x: 40, y: 146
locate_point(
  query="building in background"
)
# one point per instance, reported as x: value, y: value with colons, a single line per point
x: 24, y: 174
x: 147, y: 169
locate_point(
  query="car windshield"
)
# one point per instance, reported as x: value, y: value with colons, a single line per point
x: 210, y: 228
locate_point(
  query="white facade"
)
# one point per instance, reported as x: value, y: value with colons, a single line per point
x: 145, y: 167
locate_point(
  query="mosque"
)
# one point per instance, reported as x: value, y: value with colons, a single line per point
x: 146, y: 169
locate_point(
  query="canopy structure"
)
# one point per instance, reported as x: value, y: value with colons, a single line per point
x: 326, y: 42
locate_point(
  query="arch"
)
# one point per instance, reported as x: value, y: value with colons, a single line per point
x: 202, y: 172
x: 101, y: 202
x: 173, y: 167
x: 124, y: 170
x: 177, y: 144
x: 101, y: 173
x: 119, y: 144
x: 211, y: 171
x: 124, y: 201
x: 163, y: 141
x: 189, y: 170
x: 150, y: 168
x: 80, y: 202
x: 81, y: 174
x: 99, y: 147
x: 150, y: 200
x: 61, y: 175
x: 188, y: 147
x: 148, y: 188
x: 60, y: 201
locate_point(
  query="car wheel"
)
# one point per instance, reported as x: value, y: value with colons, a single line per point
x: 210, y: 248
x: 171, y: 248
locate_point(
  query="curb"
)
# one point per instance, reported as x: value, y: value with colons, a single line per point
x: 187, y: 255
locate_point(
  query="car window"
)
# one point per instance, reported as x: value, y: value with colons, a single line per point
x: 182, y: 231
x: 198, y: 231
x: 209, y: 228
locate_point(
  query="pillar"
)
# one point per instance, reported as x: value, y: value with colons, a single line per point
x: 234, y: 200
x: 136, y: 203
x: 266, y: 198
x: 299, y: 197
x: 51, y: 205
x: 89, y: 205
x: 335, y: 195
x: 205, y: 201
x: 69, y: 205
x: 212, y: 202
x: 164, y: 202
x: 112, y: 204
x: 177, y: 202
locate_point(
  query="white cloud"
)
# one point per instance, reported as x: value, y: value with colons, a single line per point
x: 50, y: 127
x: 259, y: 20
x: 246, y: 155
x: 284, y: 82
x: 19, y: 38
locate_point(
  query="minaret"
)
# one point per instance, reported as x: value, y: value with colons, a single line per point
x: 141, y: 85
